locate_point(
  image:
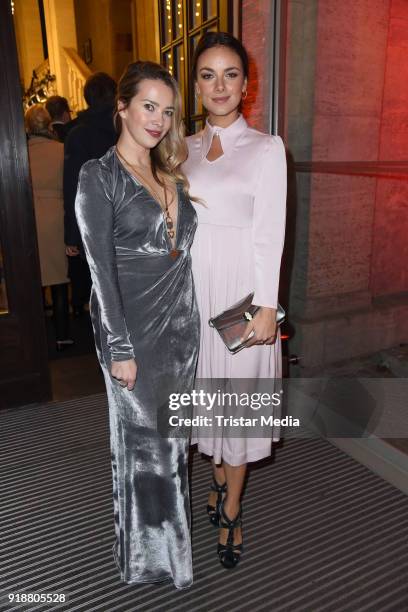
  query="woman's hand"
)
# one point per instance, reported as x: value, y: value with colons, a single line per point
x: 264, y: 327
x: 71, y: 251
x: 125, y: 372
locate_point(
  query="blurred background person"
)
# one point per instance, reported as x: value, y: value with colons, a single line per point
x: 58, y: 108
x: 46, y: 157
x: 92, y: 134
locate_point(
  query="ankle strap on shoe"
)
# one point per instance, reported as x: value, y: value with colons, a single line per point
x: 226, y: 522
x: 217, y: 487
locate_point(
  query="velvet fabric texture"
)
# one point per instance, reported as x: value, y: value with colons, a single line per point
x: 143, y: 305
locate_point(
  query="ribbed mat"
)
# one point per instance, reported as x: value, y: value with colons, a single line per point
x: 321, y: 532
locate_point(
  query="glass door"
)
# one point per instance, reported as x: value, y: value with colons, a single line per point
x: 182, y: 23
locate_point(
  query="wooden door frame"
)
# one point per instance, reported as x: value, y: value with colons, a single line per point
x: 24, y: 373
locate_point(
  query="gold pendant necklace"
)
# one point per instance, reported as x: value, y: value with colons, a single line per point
x: 167, y: 218
x: 166, y: 213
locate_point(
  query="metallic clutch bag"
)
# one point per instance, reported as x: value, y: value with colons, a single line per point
x: 231, y: 323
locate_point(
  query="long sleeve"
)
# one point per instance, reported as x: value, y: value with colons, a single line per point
x: 268, y: 231
x: 94, y: 213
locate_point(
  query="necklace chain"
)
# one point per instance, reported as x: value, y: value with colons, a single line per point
x: 166, y: 213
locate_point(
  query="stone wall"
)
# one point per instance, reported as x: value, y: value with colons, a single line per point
x: 347, y: 66
x: 389, y: 266
x: 257, y: 38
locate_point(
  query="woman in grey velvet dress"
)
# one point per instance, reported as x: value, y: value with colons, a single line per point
x: 145, y: 320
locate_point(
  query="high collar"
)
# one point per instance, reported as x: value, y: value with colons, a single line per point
x: 228, y: 135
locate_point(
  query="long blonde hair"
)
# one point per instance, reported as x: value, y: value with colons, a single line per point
x: 171, y: 152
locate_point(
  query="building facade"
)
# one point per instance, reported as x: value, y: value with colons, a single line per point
x: 328, y: 77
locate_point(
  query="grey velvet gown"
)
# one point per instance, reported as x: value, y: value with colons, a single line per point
x: 143, y: 306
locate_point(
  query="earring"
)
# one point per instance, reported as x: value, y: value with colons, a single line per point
x: 245, y: 94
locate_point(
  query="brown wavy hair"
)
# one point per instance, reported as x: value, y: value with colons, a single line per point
x: 171, y: 151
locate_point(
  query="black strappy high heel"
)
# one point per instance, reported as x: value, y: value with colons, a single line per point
x: 214, y: 511
x: 229, y: 553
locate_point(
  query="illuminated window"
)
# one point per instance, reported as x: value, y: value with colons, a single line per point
x: 182, y: 23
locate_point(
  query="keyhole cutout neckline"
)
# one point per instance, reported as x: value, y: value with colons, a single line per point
x: 228, y: 138
x: 215, y: 148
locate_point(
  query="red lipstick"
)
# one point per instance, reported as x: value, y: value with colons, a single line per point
x: 154, y: 133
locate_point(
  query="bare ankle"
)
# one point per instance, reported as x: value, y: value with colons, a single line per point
x: 231, y: 508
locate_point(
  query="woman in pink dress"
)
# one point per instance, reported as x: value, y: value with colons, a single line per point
x: 240, y: 175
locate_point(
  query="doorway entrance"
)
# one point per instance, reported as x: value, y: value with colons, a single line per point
x: 32, y: 370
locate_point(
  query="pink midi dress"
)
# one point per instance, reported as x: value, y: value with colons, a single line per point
x: 237, y: 249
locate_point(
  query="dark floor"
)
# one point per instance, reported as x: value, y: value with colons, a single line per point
x: 75, y: 372
x: 388, y: 363
x: 80, y: 331
x: 321, y: 532
x: 73, y: 377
